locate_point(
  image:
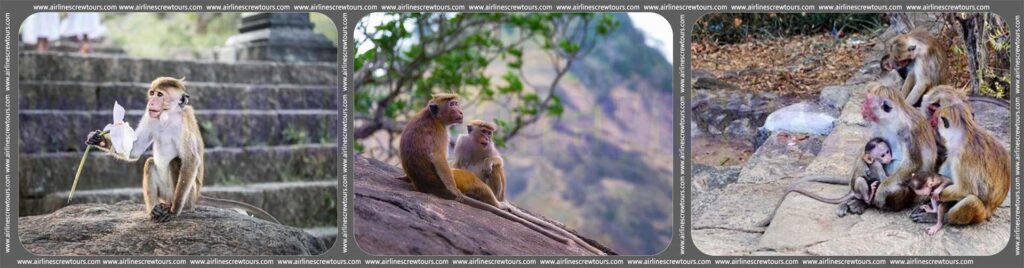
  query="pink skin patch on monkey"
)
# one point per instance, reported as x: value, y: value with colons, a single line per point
x: 866, y: 111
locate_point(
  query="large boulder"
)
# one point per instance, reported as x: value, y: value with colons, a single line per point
x: 125, y: 229
x: 393, y: 219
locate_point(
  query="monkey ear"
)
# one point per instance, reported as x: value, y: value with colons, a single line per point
x: 433, y: 109
x: 867, y: 159
x: 183, y: 101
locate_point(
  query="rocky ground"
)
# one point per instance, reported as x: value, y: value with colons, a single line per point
x: 728, y: 201
x: 125, y: 229
x: 393, y: 219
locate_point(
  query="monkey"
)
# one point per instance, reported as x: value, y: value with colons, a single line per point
x: 475, y: 151
x: 944, y: 95
x: 868, y: 171
x: 930, y: 184
x: 423, y: 154
x: 908, y: 133
x: 919, y: 52
x: 888, y: 64
x: 978, y: 165
x: 172, y: 179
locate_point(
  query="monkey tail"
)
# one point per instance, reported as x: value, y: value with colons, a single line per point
x: 483, y: 206
x: 232, y: 204
x: 990, y: 100
x: 830, y: 179
x: 768, y: 219
x: 514, y: 210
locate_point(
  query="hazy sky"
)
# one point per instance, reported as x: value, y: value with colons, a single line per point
x: 656, y: 30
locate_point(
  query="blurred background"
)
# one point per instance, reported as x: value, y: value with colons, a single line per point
x: 583, y: 103
x: 264, y: 87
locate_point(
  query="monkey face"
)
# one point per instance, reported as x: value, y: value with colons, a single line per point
x: 951, y: 122
x: 158, y: 102
x: 883, y: 105
x: 903, y: 50
x: 451, y: 113
x: 483, y: 136
x: 941, y: 96
x: 882, y: 153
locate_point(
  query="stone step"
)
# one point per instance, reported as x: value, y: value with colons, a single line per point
x: 75, y: 95
x: 43, y: 173
x: 103, y: 68
x: 299, y: 204
x: 327, y: 234
x: 64, y: 131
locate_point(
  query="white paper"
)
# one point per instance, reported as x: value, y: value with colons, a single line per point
x: 122, y: 136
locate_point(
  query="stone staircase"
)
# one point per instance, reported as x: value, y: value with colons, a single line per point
x: 270, y: 131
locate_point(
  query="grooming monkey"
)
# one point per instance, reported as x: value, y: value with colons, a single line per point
x: 919, y: 52
x: 423, y: 153
x: 976, y: 162
x: 944, y: 95
x: 475, y: 152
x: 929, y: 184
x: 868, y: 171
x: 913, y: 142
x: 904, y: 54
x: 173, y: 177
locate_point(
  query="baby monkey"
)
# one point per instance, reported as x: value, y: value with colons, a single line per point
x: 877, y: 154
x: 931, y: 185
x: 868, y: 172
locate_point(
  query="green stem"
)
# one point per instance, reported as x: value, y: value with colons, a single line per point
x: 78, y: 173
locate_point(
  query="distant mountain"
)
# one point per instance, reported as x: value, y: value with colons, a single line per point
x: 605, y: 166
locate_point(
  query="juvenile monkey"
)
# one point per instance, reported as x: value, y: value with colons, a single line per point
x: 868, y: 171
x: 173, y: 177
x: 475, y: 152
x: 913, y: 143
x: 423, y: 153
x: 919, y: 52
x: 976, y: 162
x: 928, y: 184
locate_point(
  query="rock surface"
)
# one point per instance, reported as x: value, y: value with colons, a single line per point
x: 393, y: 219
x: 124, y: 229
x: 803, y: 226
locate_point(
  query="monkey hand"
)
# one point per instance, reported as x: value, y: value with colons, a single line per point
x: 919, y: 215
x: 95, y: 138
x: 160, y: 213
x: 934, y: 229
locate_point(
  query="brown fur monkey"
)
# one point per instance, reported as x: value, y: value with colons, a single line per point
x: 920, y: 53
x: 172, y: 178
x: 475, y: 152
x: 913, y: 142
x: 423, y: 153
x: 867, y: 173
x: 976, y: 162
x: 929, y: 184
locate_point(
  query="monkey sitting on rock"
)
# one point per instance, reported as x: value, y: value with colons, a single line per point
x: 868, y: 172
x: 173, y: 177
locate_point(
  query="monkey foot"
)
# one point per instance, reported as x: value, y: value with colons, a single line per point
x: 919, y: 215
x: 160, y: 213
x: 856, y: 206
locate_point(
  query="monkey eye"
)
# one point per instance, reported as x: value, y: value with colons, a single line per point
x: 911, y: 48
x: 886, y: 107
x: 453, y: 103
x: 152, y: 92
x: 159, y: 94
x: 945, y: 122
